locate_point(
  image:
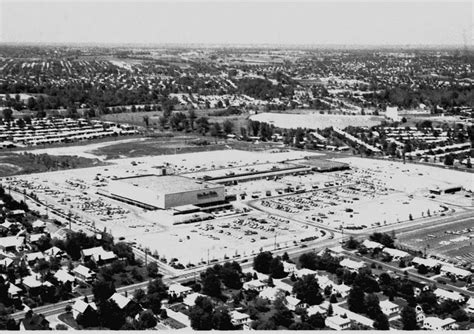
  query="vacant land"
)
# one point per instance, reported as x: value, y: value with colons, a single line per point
x: 315, y: 121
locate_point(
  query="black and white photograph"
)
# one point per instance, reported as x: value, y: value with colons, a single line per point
x: 233, y: 165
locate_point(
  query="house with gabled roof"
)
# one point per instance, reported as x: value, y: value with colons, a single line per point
x: 98, y: 255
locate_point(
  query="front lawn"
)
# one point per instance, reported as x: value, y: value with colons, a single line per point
x: 68, y: 319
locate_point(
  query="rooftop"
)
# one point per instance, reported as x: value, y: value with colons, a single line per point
x: 166, y: 184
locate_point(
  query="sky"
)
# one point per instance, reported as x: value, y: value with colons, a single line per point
x: 237, y: 22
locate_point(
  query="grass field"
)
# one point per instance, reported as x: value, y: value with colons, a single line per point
x: 14, y: 164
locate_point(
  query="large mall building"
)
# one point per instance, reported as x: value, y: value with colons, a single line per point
x: 165, y: 192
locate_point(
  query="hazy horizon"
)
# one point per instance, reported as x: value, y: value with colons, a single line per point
x: 228, y: 23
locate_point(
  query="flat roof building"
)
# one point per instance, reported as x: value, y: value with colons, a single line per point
x: 164, y: 192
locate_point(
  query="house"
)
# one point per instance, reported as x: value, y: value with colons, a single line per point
x: 5, y: 263
x: 458, y: 273
x: 256, y: 285
x: 289, y: 267
x: 397, y: 254
x: 12, y: 243
x: 63, y: 276
x: 271, y: 293
x: 130, y: 307
x: 240, y: 319
x: 428, y: 263
x: 338, y: 323
x: 342, y: 289
x: 98, y: 255
x: 179, y: 290
x: 80, y: 307
x: 32, y: 282
x: 17, y: 213
x: 31, y: 258
x: 352, y: 265
x: 470, y: 305
x: 38, y: 226
x: 304, y: 271
x: 389, y: 309
x: 61, y: 234
x: 83, y: 273
x: 292, y: 303
x: 13, y: 291
x: 371, y: 245
x: 321, y: 309
x: 54, y: 252
x: 448, y: 295
x: 190, y: 300
x: 36, y: 237
x: 437, y: 324
x: 420, y: 315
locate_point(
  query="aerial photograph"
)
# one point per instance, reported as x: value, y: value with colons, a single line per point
x: 236, y: 165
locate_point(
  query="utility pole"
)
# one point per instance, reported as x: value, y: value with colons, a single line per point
x: 208, y: 256
x: 69, y: 219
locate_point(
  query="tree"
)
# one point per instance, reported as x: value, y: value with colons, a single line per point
x: 202, y: 125
x: 152, y: 269
x: 7, y: 115
x: 372, y: 305
x: 103, y: 290
x: 356, y: 300
x: 449, y: 160
x: 211, y: 284
x: 316, y: 321
x: 276, y: 268
x: 215, y: 129
x: 352, y: 243
x: 228, y: 126
x: 146, y: 320
x: 283, y: 316
x: 110, y: 315
x: 192, y: 117
x: 381, y: 322
x: 262, y: 261
x: 408, y: 317
x: 221, y: 320
x: 200, y: 314
x: 422, y: 269
x: 307, y: 290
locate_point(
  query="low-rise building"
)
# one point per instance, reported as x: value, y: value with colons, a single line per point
x: 179, y: 290
x: 389, y: 309
x: 397, y: 254
x: 80, y: 307
x: 456, y: 272
x: 240, y: 319
x: 256, y: 285
x: 352, y: 265
x: 98, y: 255
x: 304, y: 271
x: 448, y: 295
x: 83, y: 273
x: 338, y: 323
x: 12, y: 243
x: 428, y: 263
x: 63, y: 276
x: 437, y: 324
x: 190, y: 300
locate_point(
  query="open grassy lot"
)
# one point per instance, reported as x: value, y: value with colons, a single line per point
x: 155, y: 146
x: 14, y: 164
